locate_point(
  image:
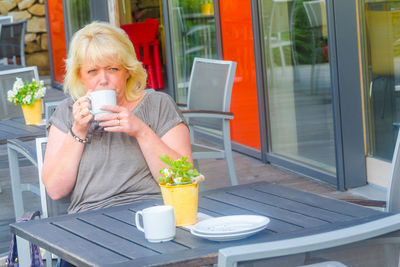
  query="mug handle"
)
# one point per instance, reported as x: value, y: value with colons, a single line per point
x: 139, y: 227
x: 90, y: 99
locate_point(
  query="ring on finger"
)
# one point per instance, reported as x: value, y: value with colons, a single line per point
x: 119, y: 122
x: 82, y: 113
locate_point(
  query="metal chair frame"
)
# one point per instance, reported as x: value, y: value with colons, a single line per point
x: 196, y: 111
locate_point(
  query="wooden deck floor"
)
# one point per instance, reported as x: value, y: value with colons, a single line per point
x: 248, y: 170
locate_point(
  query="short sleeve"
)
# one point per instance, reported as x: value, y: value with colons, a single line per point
x: 62, y: 117
x: 160, y: 112
x: 169, y: 116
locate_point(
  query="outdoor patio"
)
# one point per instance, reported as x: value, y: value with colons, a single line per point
x: 248, y: 170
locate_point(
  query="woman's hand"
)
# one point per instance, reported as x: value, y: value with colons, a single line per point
x: 121, y: 120
x: 82, y: 116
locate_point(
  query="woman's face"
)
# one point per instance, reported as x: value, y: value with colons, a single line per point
x: 112, y: 76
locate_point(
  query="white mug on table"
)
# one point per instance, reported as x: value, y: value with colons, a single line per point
x: 101, y: 98
x: 158, y: 223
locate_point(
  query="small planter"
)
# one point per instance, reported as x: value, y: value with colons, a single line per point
x: 33, y: 113
x: 184, y: 199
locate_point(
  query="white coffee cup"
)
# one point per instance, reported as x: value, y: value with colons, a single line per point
x: 101, y: 98
x: 158, y: 223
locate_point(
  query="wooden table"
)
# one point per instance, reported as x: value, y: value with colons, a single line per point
x: 16, y: 128
x: 108, y: 237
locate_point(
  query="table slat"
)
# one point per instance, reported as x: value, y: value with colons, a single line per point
x: 104, y: 239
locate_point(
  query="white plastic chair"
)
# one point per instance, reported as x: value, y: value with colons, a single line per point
x: 208, y: 110
x: 374, y: 243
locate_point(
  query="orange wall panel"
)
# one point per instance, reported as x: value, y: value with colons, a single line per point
x: 57, y: 35
x: 237, y: 45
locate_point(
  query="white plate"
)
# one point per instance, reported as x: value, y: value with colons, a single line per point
x: 228, y: 237
x: 230, y: 224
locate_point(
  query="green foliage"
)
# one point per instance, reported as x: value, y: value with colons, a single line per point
x: 26, y: 93
x: 178, y: 172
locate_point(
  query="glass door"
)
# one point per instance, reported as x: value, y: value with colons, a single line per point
x: 382, y: 31
x: 299, y: 94
x: 192, y: 34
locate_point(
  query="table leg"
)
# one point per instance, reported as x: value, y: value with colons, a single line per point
x: 24, y: 258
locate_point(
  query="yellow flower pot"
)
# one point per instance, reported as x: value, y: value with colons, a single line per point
x: 33, y: 113
x: 184, y: 199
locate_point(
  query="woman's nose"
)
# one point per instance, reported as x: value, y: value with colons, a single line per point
x: 103, y: 77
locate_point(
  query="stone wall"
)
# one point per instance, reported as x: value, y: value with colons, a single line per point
x: 36, y: 49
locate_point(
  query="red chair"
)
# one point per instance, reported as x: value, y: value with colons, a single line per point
x: 143, y: 36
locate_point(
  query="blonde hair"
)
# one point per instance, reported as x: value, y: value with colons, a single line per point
x: 101, y: 43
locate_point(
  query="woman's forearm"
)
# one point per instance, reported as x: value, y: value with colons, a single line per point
x: 175, y: 143
x: 61, y: 163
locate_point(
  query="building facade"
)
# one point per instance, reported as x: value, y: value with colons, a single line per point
x: 317, y: 81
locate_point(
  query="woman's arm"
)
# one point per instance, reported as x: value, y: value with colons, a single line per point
x: 175, y: 143
x: 64, y: 153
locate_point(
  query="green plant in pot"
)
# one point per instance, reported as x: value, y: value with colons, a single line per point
x: 180, y: 188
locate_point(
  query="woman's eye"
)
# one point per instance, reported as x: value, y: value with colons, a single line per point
x: 92, y: 71
x: 113, y: 69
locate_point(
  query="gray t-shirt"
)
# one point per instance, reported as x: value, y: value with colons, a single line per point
x: 112, y: 170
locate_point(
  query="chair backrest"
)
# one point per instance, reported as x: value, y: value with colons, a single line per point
x: 50, y: 207
x: 210, y: 88
x: 7, y: 79
x: 142, y: 32
x: 365, y: 244
x: 12, y: 40
x: 6, y: 19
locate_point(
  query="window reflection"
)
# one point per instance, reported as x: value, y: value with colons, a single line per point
x: 193, y: 35
x: 383, y: 68
x: 299, y: 87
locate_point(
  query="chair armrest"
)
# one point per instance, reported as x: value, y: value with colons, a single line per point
x: 25, y: 148
x: 207, y: 114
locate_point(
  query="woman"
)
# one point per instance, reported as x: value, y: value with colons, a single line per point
x: 115, y: 159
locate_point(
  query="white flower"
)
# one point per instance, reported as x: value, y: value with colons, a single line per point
x: 178, y: 180
x: 18, y: 84
x: 166, y: 172
x: 27, y: 99
x: 42, y: 91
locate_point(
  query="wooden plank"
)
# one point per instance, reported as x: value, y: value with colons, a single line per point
x: 182, y: 237
x: 277, y: 213
x: 15, y: 124
x: 65, y: 244
x: 315, y: 200
x: 126, y: 231
x: 227, y: 209
x: 105, y: 239
x: 288, y: 204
